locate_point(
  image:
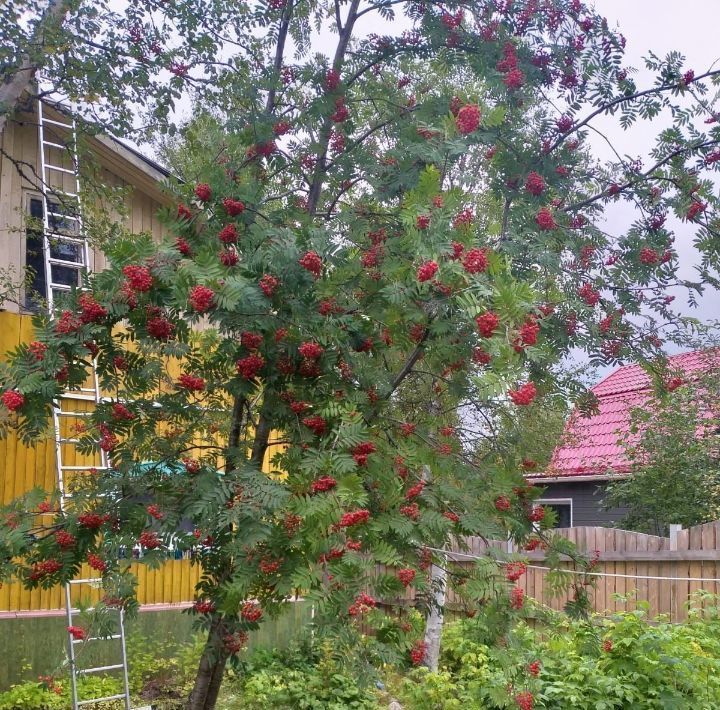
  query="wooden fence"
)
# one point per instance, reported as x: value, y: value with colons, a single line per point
x: 663, y: 571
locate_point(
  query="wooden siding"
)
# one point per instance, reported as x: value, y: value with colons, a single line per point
x: 587, y: 502
x: 20, y: 141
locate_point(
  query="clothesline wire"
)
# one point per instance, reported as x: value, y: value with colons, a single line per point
x: 581, y: 572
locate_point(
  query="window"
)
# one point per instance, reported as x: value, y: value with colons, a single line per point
x: 60, y: 249
x: 562, y: 508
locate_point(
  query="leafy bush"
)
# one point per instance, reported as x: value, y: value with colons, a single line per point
x: 606, y: 663
x: 303, y: 677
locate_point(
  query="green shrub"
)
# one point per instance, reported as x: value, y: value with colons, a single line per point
x: 620, y: 662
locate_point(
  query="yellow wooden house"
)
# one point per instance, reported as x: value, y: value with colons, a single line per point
x: 139, y: 183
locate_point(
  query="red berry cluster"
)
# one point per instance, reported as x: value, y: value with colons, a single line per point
x: 65, y: 539
x: 589, y: 295
x: 534, y: 668
x: 452, y: 517
x: 44, y: 569
x: 517, y: 598
x: 183, y: 246
x: 233, y: 207
x: 487, y: 324
x: 13, y: 400
x: 228, y: 234
x: 96, y: 562
x: 341, y: 112
x: 183, y: 212
x: 648, y: 256
x: 204, y: 606
x: 90, y: 310
x: 363, y: 603
x: 564, y: 123
x: 192, y: 383
x: 523, y: 395
x: 316, y: 424
x: 475, y: 261
x: 694, y: 210
x: 417, y: 653
x: 537, y: 514
x: 468, y: 119
x: 121, y: 412
x: 415, y: 491
x: 355, y: 517
x: 155, y: 512
x: 202, y: 298
x: 268, y: 284
x: 515, y: 570
x: 203, y: 192
x: 139, y: 278
x: 311, y: 262
x: 502, y: 503
x: 67, y: 323
x: 406, y: 576
x: 411, y: 510
x: 250, y: 340
x: 326, y: 483
x: 423, y: 221
x: 92, y: 521
x: 149, y: 539
x: 535, y: 184
x: 160, y: 328
x: 249, y: 366
x: 251, y: 612
x: 361, y: 452
x: 234, y: 643
x: 427, y: 271
x: 525, y: 700
x: 37, y: 350
x: 332, y: 79
x: 311, y: 350
x: 229, y: 257
x: 545, y: 220
x: 268, y: 566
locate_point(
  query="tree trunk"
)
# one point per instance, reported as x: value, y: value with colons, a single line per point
x: 209, y: 676
x: 12, y: 89
x: 434, y: 621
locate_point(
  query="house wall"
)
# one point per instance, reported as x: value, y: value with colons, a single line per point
x: 20, y: 143
x: 587, y: 501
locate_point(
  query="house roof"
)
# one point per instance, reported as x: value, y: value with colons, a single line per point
x: 592, y: 445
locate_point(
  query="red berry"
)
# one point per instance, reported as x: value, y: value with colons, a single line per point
x: 311, y: 350
x: 417, y: 653
x: 233, y: 207
x: 535, y: 184
x: 525, y: 700
x: 96, y: 562
x: 149, y: 539
x: 487, y: 324
x: 311, y: 262
x: 251, y: 612
x: 423, y: 221
x: 321, y: 485
x: 468, y: 119
x: 355, y: 517
x: 316, y: 424
x: 534, y: 668
x: 12, y: 400
x: 545, y: 220
x: 249, y: 366
x: 475, y: 261
x: 77, y: 632
x: 268, y: 284
x: 523, y: 395
x: 517, y: 598
x: 427, y: 271
x: 139, y: 277
x: 229, y: 257
x: 203, y: 192
x: 229, y: 234
x: 160, y: 328
x: 64, y: 539
x: 201, y: 299
x: 406, y: 576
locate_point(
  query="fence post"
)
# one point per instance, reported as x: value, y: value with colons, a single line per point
x: 674, y: 530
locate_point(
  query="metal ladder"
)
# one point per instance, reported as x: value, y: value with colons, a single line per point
x: 69, y: 254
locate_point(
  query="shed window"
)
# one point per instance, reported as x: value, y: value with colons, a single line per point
x: 36, y: 292
x: 562, y: 509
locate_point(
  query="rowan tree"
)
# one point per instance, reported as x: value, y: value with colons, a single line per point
x: 329, y: 249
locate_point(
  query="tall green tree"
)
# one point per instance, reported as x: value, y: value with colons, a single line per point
x: 333, y: 253
x: 673, y: 446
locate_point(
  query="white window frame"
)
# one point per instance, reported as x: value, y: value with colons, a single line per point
x: 559, y: 501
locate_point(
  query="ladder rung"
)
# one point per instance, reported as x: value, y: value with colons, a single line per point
x: 87, y: 580
x: 63, y: 216
x: 101, y: 700
x: 69, y: 126
x: 80, y: 397
x: 62, y: 237
x: 52, y: 144
x: 61, y: 287
x: 63, y: 440
x: 59, y: 169
x: 74, y: 414
x: 68, y: 264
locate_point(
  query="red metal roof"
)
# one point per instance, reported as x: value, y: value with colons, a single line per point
x: 591, y: 444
